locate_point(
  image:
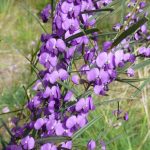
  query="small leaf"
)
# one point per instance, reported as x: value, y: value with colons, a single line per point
x: 129, y: 31
x: 53, y: 139
x: 79, y: 132
x: 131, y: 80
x: 104, y: 34
x: 89, y: 31
x: 97, y: 10
x: 128, y: 83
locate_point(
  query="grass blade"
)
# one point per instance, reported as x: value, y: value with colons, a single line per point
x: 79, y: 132
x: 89, y: 31
x: 98, y: 10
x: 137, y: 92
x: 53, y: 139
x: 141, y: 64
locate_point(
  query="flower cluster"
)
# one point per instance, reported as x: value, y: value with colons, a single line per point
x: 57, y: 110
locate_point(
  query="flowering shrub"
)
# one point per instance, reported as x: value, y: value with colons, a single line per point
x: 74, y: 68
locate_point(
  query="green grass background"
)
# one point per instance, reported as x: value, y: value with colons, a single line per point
x: 19, y: 35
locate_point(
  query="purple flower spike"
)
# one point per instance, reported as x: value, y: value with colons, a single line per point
x: 91, y: 145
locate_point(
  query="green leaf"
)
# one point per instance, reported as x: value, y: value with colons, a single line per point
x: 131, y: 80
x: 137, y: 92
x: 129, y: 31
x: 89, y: 31
x: 97, y: 10
x: 79, y: 132
x: 53, y: 139
x: 141, y: 64
x: 128, y: 83
x: 52, y: 5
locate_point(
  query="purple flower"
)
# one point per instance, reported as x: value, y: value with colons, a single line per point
x: 81, y: 120
x: 99, y: 89
x: 14, y: 147
x: 80, y: 104
x: 67, y: 145
x: 89, y: 103
x: 48, y: 60
x: 126, y: 116
x: 101, y: 59
x: 28, y: 142
x: 39, y: 123
x: 106, y: 46
x: 63, y: 74
x: 59, y: 129
x: 91, y: 145
x: 103, y: 145
x: 48, y: 146
x: 68, y: 96
x: 75, y: 79
x: 45, y: 13
x: 71, y: 122
x: 130, y: 72
x: 92, y: 74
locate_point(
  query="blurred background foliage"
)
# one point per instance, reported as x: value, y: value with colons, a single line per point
x: 20, y: 30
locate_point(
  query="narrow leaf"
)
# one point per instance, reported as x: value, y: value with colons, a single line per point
x: 141, y: 64
x: 89, y: 31
x: 137, y: 92
x: 132, y: 80
x: 97, y: 10
x: 79, y: 132
x: 129, y: 31
x: 53, y: 139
